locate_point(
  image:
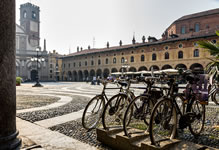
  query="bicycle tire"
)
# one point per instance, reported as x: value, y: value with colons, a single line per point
x: 113, y: 113
x: 94, y: 121
x: 215, y: 97
x: 134, y: 121
x: 169, y: 124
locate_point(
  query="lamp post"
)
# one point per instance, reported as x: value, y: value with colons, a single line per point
x: 125, y: 66
x: 37, y: 59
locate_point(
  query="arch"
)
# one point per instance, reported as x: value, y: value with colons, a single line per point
x: 99, y: 73
x: 197, y: 67
x: 80, y: 75
x: 132, y: 69
x: 155, y: 67
x: 86, y: 74
x: 167, y: 67
x: 92, y: 74
x: 181, y: 66
x: 69, y: 76
x: 114, y: 70
x: 106, y: 72
x: 142, y: 68
x: 122, y: 70
x: 75, y: 76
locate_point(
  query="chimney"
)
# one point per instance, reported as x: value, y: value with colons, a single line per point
x: 88, y: 47
x: 120, y: 42
x: 78, y: 49
x: 143, y: 39
x: 107, y: 45
x: 133, y: 40
x: 81, y: 48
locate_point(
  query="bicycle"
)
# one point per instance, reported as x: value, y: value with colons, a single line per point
x: 163, y: 121
x: 214, y: 92
x: 137, y: 115
x: 114, y: 111
x: 94, y: 109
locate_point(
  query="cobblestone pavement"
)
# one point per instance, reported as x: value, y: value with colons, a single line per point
x: 74, y: 129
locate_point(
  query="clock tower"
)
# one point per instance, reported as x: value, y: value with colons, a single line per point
x: 30, y: 22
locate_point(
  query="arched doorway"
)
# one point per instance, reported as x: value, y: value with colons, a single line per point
x: 75, y: 76
x: 33, y: 75
x: 181, y: 66
x: 167, y: 67
x: 132, y: 69
x: 69, y: 76
x: 122, y: 70
x: 142, y: 68
x: 154, y: 68
x: 99, y: 73
x: 106, y: 73
x: 86, y: 74
x: 80, y: 75
x: 114, y: 70
x: 92, y: 74
x: 197, y: 68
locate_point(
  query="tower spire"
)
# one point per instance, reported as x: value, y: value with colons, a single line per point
x: 44, y: 46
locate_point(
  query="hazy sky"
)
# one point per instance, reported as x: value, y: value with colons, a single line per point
x: 66, y: 24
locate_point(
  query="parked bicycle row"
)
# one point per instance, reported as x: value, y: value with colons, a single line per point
x: 159, y: 111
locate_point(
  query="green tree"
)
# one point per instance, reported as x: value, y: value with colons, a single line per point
x: 213, y: 48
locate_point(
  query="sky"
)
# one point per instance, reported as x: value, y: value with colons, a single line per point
x: 66, y: 24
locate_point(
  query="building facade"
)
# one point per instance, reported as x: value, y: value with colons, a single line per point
x: 177, y: 48
x: 27, y: 41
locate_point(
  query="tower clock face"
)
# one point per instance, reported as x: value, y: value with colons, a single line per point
x: 34, y: 26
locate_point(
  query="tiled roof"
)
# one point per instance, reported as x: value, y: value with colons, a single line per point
x: 200, y: 14
x: 188, y: 36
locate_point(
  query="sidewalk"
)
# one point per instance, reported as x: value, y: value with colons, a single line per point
x: 41, y: 138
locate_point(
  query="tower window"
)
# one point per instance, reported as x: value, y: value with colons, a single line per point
x: 25, y: 14
x: 33, y: 15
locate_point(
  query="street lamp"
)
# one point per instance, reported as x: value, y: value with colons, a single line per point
x: 37, y: 59
x: 125, y: 66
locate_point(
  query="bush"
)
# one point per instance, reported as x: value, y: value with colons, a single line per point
x: 18, y: 80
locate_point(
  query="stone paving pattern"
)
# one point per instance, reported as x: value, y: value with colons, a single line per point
x: 66, y: 118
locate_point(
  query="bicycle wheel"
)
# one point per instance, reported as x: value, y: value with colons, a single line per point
x: 137, y: 116
x: 113, y: 113
x: 197, y: 118
x: 93, y: 112
x: 215, y: 97
x: 163, y: 122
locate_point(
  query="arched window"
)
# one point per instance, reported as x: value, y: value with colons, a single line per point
x: 114, y: 60
x: 197, y: 27
x: 196, y: 53
x: 132, y: 59
x: 142, y: 57
x: 154, y: 56
x: 33, y: 15
x: 166, y: 56
x: 85, y: 63
x: 25, y: 14
x: 79, y: 64
x: 183, y: 29
x: 92, y: 62
x: 122, y: 60
x: 180, y: 55
x: 99, y: 61
x: 107, y: 60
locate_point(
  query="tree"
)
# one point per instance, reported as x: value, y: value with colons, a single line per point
x: 213, y: 48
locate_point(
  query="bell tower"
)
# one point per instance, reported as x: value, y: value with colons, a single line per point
x: 30, y: 21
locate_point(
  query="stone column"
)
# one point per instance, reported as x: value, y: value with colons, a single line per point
x: 8, y: 132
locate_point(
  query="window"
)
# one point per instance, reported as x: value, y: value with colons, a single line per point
x: 69, y: 65
x: 114, y: 54
x: 213, y: 41
x: 183, y: 29
x: 196, y: 53
x: 166, y: 47
x: 180, y: 55
x: 50, y: 71
x: 50, y: 76
x: 79, y: 64
x: 107, y: 60
x: 99, y: 61
x: 154, y: 56
x: 122, y: 53
x: 74, y: 64
x: 114, y: 60
x: 85, y: 63
x: 142, y: 57
x: 50, y: 65
x: 122, y: 60
x: 25, y: 14
x: 142, y: 51
x: 132, y: 52
x: 180, y: 45
x: 166, y: 56
x: 132, y: 59
x: 33, y: 15
x: 92, y: 62
x: 197, y: 27
x: 64, y: 65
